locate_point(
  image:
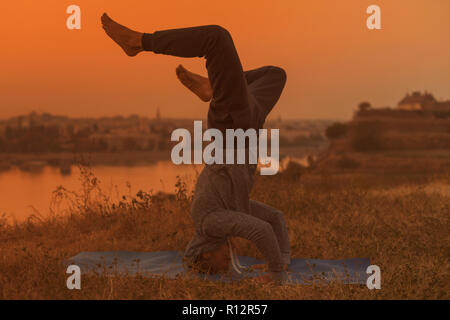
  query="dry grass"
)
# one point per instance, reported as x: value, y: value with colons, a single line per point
x: 330, y: 217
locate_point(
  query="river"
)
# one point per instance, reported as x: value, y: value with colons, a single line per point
x: 27, y: 192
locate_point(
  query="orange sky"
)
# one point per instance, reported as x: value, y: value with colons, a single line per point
x: 333, y: 62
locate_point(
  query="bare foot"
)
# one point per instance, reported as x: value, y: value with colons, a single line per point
x: 130, y: 41
x: 196, y: 83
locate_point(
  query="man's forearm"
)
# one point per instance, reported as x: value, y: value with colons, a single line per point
x: 236, y: 224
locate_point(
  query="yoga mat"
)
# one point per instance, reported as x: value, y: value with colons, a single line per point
x: 169, y: 264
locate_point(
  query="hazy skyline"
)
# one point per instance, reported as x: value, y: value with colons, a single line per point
x: 332, y: 60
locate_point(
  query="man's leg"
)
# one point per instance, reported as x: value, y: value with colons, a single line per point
x: 225, y: 73
x: 225, y: 224
x: 276, y: 219
x: 215, y: 44
x: 266, y: 84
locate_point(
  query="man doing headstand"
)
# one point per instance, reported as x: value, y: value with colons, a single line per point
x: 221, y: 207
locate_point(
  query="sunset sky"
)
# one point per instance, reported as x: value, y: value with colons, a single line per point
x: 332, y: 60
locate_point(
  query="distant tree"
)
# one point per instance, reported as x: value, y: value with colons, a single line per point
x: 363, y: 106
x: 367, y: 136
x: 336, y: 130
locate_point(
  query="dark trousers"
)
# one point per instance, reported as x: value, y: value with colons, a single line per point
x: 240, y: 99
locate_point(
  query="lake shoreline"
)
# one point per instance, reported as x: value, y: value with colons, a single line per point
x: 129, y: 158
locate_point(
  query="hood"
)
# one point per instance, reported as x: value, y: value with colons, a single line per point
x: 200, y: 244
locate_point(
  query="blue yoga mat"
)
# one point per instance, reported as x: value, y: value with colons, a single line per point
x: 169, y: 264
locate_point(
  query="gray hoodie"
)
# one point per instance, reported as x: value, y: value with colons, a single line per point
x: 221, y: 208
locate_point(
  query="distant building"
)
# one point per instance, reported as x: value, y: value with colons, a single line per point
x: 425, y: 101
x: 416, y: 101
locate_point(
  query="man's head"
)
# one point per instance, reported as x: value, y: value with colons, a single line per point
x: 214, y: 261
x: 207, y: 255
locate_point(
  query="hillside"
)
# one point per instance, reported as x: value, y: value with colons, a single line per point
x: 388, y: 141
